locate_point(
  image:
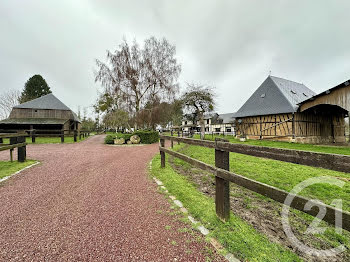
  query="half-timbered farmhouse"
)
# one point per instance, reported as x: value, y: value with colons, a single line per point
x: 44, y: 113
x: 281, y: 109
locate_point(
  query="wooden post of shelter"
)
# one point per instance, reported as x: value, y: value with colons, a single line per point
x: 75, y: 135
x: 162, y: 154
x: 222, y: 188
x: 21, y: 151
x: 62, y: 135
x: 349, y: 125
x: 293, y: 126
x: 260, y: 128
x: 32, y: 134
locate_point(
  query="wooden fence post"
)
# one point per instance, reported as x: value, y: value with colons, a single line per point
x: 13, y: 140
x: 21, y: 151
x: 178, y: 135
x: 222, y: 188
x: 162, y: 154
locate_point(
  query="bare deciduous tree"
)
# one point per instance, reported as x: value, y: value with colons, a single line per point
x: 8, y: 100
x: 135, y: 75
x: 199, y: 100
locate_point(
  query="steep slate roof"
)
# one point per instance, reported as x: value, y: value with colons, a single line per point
x: 227, y: 118
x: 48, y: 101
x: 45, y: 102
x: 275, y: 96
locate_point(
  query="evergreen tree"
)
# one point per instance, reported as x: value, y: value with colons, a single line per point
x: 35, y: 87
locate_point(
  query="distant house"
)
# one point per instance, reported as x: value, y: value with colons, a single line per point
x: 275, y: 111
x: 225, y: 124
x: 214, y: 123
x: 44, y: 113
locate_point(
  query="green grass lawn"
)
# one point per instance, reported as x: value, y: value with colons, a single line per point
x: 50, y: 140
x: 8, y: 168
x: 342, y: 150
x: 280, y: 174
x: 237, y: 236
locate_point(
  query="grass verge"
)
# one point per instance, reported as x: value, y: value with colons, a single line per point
x: 8, y: 168
x: 342, y: 150
x: 237, y: 236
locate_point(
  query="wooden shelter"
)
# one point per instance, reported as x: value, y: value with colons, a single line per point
x: 44, y: 113
x: 281, y: 109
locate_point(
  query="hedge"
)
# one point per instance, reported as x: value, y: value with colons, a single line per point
x: 126, y: 136
x: 147, y: 137
x: 109, y: 139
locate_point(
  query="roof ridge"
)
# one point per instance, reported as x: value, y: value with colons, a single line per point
x: 286, y: 80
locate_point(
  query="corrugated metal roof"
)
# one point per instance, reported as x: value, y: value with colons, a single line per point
x: 34, y: 121
x: 227, y: 118
x: 45, y: 102
x: 275, y: 96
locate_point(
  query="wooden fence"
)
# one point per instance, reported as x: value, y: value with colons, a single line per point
x: 223, y: 176
x: 33, y: 133
x: 16, y: 141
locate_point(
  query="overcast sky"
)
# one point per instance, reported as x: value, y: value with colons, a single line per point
x: 231, y: 45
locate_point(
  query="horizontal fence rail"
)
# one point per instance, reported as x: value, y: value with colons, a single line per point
x: 16, y: 141
x: 328, y: 161
x: 34, y: 133
x: 223, y: 176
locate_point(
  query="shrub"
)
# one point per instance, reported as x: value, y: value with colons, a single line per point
x: 126, y: 136
x: 147, y: 137
x: 109, y: 139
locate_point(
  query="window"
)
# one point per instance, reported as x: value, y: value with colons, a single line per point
x: 217, y: 129
x: 207, y: 121
x: 228, y: 129
x: 185, y: 122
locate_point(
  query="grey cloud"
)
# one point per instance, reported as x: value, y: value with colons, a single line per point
x: 229, y: 44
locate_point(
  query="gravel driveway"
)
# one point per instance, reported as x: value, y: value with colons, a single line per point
x: 91, y: 202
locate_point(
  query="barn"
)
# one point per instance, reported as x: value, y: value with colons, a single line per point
x: 281, y: 109
x: 44, y: 114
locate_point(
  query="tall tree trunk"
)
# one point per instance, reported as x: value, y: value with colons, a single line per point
x: 202, y: 125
